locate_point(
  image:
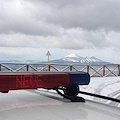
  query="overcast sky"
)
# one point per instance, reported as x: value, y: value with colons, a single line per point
x: 29, y: 28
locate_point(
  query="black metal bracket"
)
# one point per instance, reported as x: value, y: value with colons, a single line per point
x: 76, y: 98
x: 72, y: 98
x: 4, y: 91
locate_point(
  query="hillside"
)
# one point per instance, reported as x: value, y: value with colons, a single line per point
x: 73, y: 58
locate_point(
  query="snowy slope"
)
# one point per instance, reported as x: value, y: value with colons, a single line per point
x: 83, y: 60
x: 72, y: 58
x: 107, y: 86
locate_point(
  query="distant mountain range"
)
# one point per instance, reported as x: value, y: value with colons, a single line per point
x: 69, y: 59
x: 73, y: 58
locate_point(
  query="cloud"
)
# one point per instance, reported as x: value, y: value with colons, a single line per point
x: 20, y: 17
x: 67, y: 39
x: 64, y: 24
x: 44, y: 17
x: 86, y: 14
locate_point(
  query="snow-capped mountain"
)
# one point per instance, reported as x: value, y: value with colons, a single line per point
x: 73, y: 58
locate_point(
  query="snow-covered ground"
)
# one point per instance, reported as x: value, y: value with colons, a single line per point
x: 107, y: 86
x: 44, y: 105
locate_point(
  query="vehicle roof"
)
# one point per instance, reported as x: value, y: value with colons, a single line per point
x: 44, y: 105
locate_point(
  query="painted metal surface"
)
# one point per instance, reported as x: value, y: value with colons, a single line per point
x: 79, y: 79
x: 16, y: 81
x: 41, y: 105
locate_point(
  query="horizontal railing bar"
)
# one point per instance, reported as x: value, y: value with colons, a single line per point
x: 57, y: 64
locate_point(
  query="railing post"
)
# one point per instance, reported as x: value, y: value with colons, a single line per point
x: 70, y: 67
x: 118, y: 70
x: 88, y: 68
x: 0, y: 67
x: 103, y: 70
x: 27, y: 67
x: 48, y: 68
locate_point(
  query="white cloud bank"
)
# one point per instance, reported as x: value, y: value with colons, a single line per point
x: 78, y: 24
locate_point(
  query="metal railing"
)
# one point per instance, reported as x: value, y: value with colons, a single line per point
x: 93, y: 70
